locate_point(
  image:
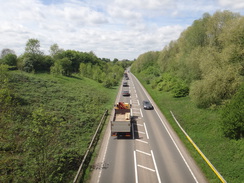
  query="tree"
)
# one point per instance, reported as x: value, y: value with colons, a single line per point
x: 6, y: 51
x: 33, y: 57
x: 10, y: 59
x: 55, y: 50
x: 232, y: 116
x: 33, y: 47
x: 62, y: 66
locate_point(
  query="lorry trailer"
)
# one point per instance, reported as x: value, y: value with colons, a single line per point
x: 121, y: 123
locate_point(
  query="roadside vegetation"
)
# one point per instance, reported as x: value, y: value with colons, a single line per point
x: 199, y: 77
x: 50, y: 106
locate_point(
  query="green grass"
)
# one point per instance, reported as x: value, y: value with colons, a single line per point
x: 77, y: 102
x: 205, y: 129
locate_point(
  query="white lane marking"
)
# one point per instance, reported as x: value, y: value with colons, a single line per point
x: 169, y: 133
x: 141, y: 113
x: 142, y: 141
x: 143, y: 152
x: 136, y: 175
x: 146, y: 130
x: 106, y: 148
x: 146, y: 168
x: 159, y: 180
x: 136, y: 96
x: 141, y: 132
x: 177, y: 148
x: 133, y: 132
x: 139, y: 125
x: 138, y: 102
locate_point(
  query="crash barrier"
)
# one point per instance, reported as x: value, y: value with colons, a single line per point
x: 200, y: 152
x: 87, y: 157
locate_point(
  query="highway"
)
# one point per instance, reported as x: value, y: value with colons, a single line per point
x: 154, y: 153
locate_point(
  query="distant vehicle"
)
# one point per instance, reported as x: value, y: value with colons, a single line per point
x: 122, y: 121
x: 125, y: 93
x: 147, y: 105
x: 125, y: 83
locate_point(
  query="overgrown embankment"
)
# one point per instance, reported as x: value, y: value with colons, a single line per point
x: 200, y: 77
x: 205, y: 128
x: 47, y: 124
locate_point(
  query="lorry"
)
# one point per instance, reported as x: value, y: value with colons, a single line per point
x: 121, y: 125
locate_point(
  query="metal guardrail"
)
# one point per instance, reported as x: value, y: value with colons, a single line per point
x: 81, y: 168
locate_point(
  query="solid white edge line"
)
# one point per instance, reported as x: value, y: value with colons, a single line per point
x: 169, y: 135
x: 146, y: 130
x: 100, y: 172
x: 136, y: 176
x: 156, y: 168
x: 178, y: 149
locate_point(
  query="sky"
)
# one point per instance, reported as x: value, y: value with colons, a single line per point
x: 121, y: 29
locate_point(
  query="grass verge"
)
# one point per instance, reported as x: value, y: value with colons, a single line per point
x: 205, y: 128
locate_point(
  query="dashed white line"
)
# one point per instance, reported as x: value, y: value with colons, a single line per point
x: 136, y: 175
x: 159, y: 180
x: 169, y: 134
x: 146, y: 130
x: 141, y: 113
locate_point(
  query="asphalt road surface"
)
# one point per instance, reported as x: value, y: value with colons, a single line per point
x: 154, y: 153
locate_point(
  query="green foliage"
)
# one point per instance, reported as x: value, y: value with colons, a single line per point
x: 107, y: 73
x: 232, y: 116
x: 10, y: 60
x: 144, y: 61
x: 204, y: 126
x: 6, y: 94
x: 62, y: 67
x: 216, y: 86
x: 206, y: 61
x: 47, y: 143
x: 55, y: 50
x: 167, y: 83
x: 42, y: 144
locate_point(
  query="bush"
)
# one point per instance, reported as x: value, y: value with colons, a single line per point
x: 180, y: 89
x: 232, y: 116
x: 217, y: 86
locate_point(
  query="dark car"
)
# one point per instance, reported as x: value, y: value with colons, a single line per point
x: 125, y: 93
x: 147, y: 105
x: 125, y: 83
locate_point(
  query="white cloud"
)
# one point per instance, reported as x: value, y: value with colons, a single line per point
x: 232, y: 4
x: 111, y: 28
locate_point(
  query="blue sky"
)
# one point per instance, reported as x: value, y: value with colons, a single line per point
x: 121, y: 29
